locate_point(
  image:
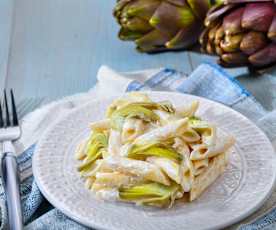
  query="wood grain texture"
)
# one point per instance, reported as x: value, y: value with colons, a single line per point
x: 6, y: 21
x: 57, y: 47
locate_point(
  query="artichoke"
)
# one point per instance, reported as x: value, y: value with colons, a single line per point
x: 97, y: 145
x: 157, y: 151
x: 153, y: 194
x: 158, y: 25
x: 242, y: 32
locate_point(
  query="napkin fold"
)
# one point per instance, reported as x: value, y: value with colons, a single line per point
x: 208, y: 80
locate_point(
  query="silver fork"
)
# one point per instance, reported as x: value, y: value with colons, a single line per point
x: 9, y: 132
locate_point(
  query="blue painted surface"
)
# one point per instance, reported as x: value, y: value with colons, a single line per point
x: 58, y: 46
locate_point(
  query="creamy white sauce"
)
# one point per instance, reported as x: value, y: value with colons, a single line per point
x: 108, y: 194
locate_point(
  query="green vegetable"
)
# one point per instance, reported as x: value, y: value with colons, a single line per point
x: 154, y: 194
x: 95, y: 149
x: 165, y: 106
x: 130, y: 111
x: 156, y: 151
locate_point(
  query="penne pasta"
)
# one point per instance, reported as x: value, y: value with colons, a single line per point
x: 166, y: 132
x: 171, y: 168
x: 200, y: 165
x: 132, y: 128
x: 115, y: 179
x: 151, y: 153
x: 136, y: 167
x: 114, y: 143
x: 190, y: 135
x: 206, y: 130
x: 214, y: 170
x: 204, y: 151
x: 187, y: 111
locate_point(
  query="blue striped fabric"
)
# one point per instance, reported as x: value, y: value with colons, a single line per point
x: 207, y: 80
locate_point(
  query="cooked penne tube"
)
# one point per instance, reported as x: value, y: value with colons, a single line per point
x: 136, y: 167
x: 207, y: 130
x: 116, y: 179
x: 170, y: 167
x: 132, y: 128
x: 166, y: 132
x: 200, y: 165
x: 190, y: 135
x: 214, y: 170
x: 204, y: 151
x: 187, y: 111
x: 114, y: 142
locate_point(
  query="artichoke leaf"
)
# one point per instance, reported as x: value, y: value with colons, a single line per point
x: 128, y: 35
x: 252, y: 42
x: 158, y: 151
x: 131, y: 111
x: 163, y: 105
x: 95, y: 149
x: 140, y: 147
x: 168, y: 14
x: 150, y: 194
x: 87, y: 165
x: 142, y: 8
x: 258, y: 16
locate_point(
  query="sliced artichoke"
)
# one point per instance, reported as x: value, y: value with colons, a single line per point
x: 131, y: 111
x: 165, y: 106
x: 128, y: 99
x: 153, y: 194
x: 95, y: 149
x: 156, y: 151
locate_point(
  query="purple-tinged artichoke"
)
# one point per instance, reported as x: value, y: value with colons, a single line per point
x: 158, y: 25
x: 242, y: 32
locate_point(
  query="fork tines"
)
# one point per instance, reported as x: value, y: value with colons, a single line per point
x: 5, y: 119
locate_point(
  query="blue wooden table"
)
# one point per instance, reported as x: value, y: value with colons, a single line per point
x: 53, y: 48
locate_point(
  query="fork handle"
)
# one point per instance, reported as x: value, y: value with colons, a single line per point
x: 10, y: 178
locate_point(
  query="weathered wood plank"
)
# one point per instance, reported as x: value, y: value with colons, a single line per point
x: 58, y: 46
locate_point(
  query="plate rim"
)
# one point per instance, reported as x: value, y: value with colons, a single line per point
x: 95, y: 224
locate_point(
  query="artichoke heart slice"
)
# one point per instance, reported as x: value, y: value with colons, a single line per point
x: 129, y: 111
x: 95, y: 149
x: 157, y: 151
x: 87, y: 165
x: 165, y: 106
x: 153, y: 194
x: 128, y: 99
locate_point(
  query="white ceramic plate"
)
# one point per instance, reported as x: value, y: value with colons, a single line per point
x: 242, y: 189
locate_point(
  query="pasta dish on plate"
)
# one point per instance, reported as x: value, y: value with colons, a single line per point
x: 152, y: 153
